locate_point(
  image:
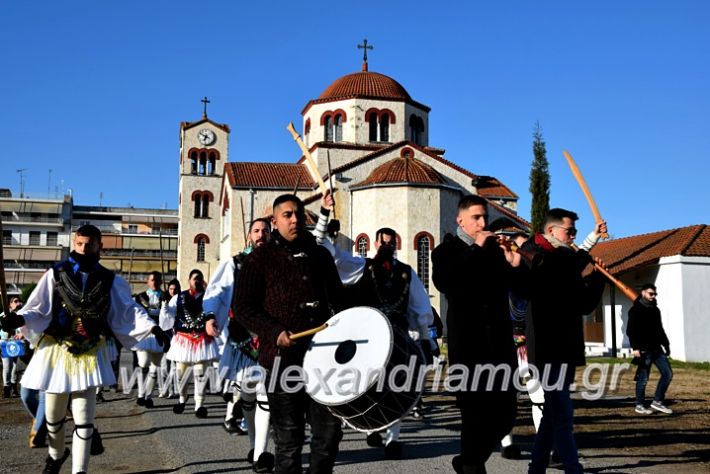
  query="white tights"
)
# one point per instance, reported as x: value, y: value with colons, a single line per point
x: 149, y: 362
x: 198, y: 371
x: 83, y: 407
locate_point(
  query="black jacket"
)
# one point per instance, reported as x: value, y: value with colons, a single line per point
x: 277, y: 290
x: 476, y: 281
x: 645, y: 329
x: 559, y: 298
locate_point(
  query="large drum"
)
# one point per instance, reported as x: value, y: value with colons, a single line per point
x: 363, y: 369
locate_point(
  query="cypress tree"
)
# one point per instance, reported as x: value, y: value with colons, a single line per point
x: 539, y: 182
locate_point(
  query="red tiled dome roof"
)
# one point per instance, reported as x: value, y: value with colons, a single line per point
x: 365, y: 84
x: 403, y: 170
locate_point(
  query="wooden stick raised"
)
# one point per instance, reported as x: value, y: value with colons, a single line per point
x: 299, y: 335
x: 630, y: 293
x: 585, y: 189
x: 309, y: 159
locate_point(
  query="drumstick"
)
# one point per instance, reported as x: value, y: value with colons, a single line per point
x: 308, y: 332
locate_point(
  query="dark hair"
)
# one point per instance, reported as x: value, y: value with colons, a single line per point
x: 386, y: 231
x: 196, y: 271
x: 260, y: 219
x: 648, y: 286
x: 175, y: 282
x: 472, y: 200
x: 555, y: 216
x: 90, y: 231
x: 289, y: 198
x: 156, y: 274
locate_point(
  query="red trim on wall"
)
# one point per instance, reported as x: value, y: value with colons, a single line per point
x: 206, y: 151
x: 327, y: 113
x: 406, y: 152
x: 387, y: 111
x: 340, y: 112
x: 307, y: 127
x: 201, y: 236
x: 202, y: 195
x: 424, y: 234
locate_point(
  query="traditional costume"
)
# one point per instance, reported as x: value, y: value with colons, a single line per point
x: 191, y: 347
x: 69, y: 318
x: 395, y: 289
x: 149, y: 352
x: 239, y: 356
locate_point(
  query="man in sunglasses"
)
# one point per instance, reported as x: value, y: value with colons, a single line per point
x: 559, y: 297
x: 650, y: 344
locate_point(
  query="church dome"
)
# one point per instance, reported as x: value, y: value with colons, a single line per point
x: 403, y: 170
x: 365, y: 84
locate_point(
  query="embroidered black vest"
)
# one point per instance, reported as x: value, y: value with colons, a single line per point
x: 237, y: 332
x: 153, y: 310
x: 385, y: 290
x: 190, y: 317
x: 79, y: 314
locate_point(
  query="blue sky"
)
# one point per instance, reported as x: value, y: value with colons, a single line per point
x: 95, y: 91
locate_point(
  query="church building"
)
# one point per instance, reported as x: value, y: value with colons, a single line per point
x: 370, y: 139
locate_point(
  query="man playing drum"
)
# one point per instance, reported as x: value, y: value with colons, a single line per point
x: 476, y: 275
x: 389, y: 285
x: 289, y: 285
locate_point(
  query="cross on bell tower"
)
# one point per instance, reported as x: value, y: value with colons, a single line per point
x: 364, y: 47
x: 204, y: 110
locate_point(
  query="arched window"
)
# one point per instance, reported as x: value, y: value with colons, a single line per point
x: 385, y: 127
x: 203, y: 164
x: 198, y: 205
x: 423, y: 248
x: 193, y: 164
x: 372, y: 119
x: 328, y: 124
x: 416, y: 129
x: 205, y: 205
x: 201, y: 240
x: 362, y: 245
x: 211, y: 164
x: 338, y: 128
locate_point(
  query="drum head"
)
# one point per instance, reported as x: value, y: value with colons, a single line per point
x: 349, y: 356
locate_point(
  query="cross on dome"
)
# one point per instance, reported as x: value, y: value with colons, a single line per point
x: 364, y: 47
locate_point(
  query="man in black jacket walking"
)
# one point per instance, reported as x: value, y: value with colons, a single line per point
x: 650, y: 344
x: 559, y: 296
x: 476, y: 276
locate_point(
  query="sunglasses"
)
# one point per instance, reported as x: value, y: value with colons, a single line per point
x: 651, y: 293
x: 570, y: 230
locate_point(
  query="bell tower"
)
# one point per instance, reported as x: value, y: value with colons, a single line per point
x: 204, y: 148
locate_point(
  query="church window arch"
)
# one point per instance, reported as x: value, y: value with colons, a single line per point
x: 362, y: 245
x: 198, y: 204
x: 372, y: 122
x: 211, y: 163
x: 201, y: 170
x: 338, y: 128
x: 307, y: 127
x: 385, y: 127
x: 416, y: 129
x: 328, y: 128
x: 201, y: 240
x: 423, y: 243
x: 202, y: 201
x: 193, y: 162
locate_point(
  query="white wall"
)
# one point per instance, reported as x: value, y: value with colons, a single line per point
x: 695, y: 306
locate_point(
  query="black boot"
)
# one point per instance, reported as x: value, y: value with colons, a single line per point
x: 53, y: 466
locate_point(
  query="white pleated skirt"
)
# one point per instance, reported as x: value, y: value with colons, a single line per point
x: 149, y: 344
x: 190, y: 349
x: 234, y: 363
x: 56, y: 370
